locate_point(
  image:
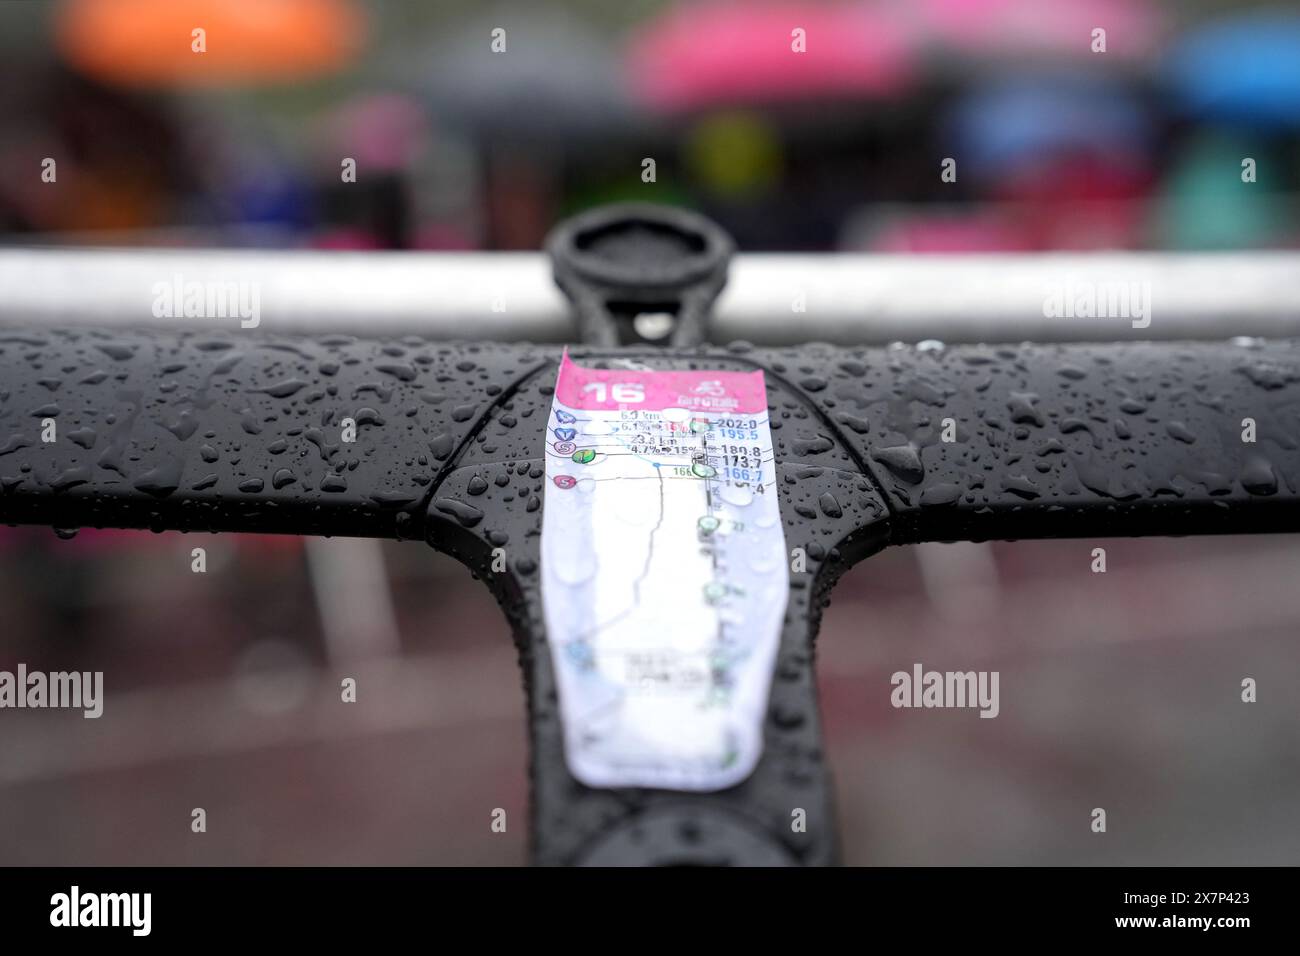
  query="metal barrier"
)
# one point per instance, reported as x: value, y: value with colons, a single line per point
x: 769, y: 299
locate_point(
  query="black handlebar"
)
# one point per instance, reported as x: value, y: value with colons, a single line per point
x: 199, y: 430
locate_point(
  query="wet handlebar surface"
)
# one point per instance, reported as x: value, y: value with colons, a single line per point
x: 244, y: 432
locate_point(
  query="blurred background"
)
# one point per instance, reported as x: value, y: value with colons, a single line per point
x: 1119, y: 690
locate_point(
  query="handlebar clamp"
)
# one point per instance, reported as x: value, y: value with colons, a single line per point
x: 639, y: 274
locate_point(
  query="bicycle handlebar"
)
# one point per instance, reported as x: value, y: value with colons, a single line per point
x: 198, y: 430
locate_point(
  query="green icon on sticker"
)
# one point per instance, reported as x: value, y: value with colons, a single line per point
x: 708, y: 524
x: 584, y: 456
x: 701, y: 470
x: 699, y: 425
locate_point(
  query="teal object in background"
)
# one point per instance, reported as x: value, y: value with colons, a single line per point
x: 1204, y: 204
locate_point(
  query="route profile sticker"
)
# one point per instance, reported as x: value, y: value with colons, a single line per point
x: 664, y: 574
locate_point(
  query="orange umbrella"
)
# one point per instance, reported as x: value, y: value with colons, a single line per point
x: 154, y: 42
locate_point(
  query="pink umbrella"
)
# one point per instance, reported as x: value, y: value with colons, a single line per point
x: 949, y: 231
x: 729, y: 53
x: 1038, y: 29
x: 381, y: 131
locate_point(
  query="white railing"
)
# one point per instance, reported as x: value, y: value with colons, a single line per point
x: 849, y: 298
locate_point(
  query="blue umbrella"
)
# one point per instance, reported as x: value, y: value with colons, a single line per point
x: 1001, y: 125
x: 1244, y: 70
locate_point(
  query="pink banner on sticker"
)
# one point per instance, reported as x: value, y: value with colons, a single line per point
x: 601, y: 389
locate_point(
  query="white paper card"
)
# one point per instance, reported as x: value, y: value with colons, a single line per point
x: 664, y: 574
